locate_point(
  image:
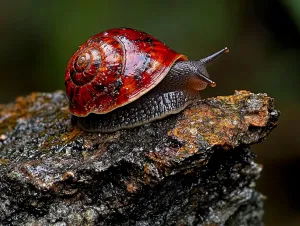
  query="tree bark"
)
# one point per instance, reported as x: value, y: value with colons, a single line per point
x: 193, y: 168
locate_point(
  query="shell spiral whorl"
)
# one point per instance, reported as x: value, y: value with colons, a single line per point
x: 86, y: 66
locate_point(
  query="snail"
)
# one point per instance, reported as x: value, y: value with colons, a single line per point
x: 123, y: 78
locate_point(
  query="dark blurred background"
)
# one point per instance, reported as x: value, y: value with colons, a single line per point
x: 38, y: 38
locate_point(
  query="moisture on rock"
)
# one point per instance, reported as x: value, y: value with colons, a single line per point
x: 193, y: 168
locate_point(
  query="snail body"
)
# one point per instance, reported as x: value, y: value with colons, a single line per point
x: 123, y: 78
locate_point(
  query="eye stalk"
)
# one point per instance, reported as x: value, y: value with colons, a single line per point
x: 214, y: 56
x: 206, y: 61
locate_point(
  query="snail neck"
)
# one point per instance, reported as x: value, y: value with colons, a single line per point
x: 190, y: 75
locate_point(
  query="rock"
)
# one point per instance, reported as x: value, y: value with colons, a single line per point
x: 193, y: 168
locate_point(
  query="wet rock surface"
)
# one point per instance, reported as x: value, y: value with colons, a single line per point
x: 193, y: 168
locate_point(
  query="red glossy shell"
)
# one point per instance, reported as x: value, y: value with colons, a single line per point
x: 114, y: 68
